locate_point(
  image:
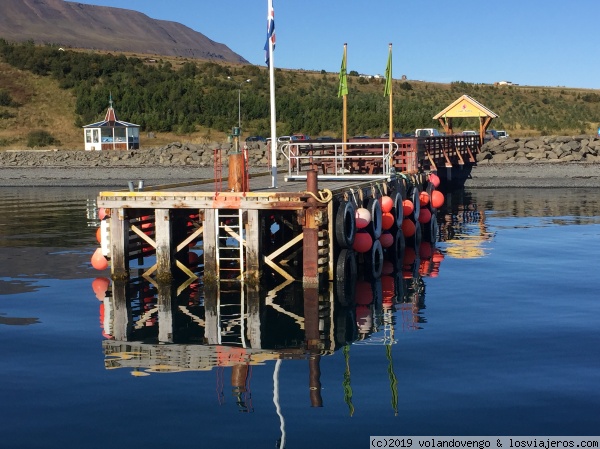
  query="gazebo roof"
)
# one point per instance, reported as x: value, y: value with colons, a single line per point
x: 111, y: 120
x: 465, y: 106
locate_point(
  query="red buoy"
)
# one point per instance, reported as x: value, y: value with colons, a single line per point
x: 423, y: 198
x: 434, y: 179
x: 362, y: 242
x: 364, y: 293
x: 386, y: 203
x: 408, y: 228
x: 386, y: 239
x: 407, y: 207
x: 424, y: 215
x: 437, y: 199
x: 387, y: 220
x: 99, y: 235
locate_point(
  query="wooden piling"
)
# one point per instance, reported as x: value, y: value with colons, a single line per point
x: 310, y: 230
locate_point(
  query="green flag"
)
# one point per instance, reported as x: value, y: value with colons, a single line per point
x: 343, y: 89
x: 388, y: 75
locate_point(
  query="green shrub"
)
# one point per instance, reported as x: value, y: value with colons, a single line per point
x: 41, y: 138
x: 5, y: 98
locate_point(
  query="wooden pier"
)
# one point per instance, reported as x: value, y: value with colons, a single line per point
x: 303, y: 231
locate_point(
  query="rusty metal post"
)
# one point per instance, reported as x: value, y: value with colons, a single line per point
x: 236, y: 172
x: 310, y: 230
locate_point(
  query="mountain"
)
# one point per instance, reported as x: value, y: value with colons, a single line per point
x: 77, y: 25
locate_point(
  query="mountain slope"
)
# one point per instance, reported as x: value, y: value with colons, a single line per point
x: 103, y: 28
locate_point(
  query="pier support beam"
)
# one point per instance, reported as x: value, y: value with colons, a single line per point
x: 310, y: 243
x: 209, y: 238
x: 164, y: 248
x: 253, y: 250
x: 119, y: 245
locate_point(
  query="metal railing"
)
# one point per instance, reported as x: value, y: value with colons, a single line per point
x: 337, y: 160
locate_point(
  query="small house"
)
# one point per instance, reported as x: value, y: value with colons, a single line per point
x: 111, y: 133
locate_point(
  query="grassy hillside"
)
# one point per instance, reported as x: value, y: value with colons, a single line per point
x: 196, y: 101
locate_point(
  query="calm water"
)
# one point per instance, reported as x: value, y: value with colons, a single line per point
x: 500, y: 336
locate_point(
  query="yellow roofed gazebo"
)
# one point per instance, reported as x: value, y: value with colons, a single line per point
x: 466, y: 107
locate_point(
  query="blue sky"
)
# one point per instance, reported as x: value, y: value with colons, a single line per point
x: 528, y: 42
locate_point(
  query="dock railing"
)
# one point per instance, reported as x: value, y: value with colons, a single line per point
x: 337, y: 160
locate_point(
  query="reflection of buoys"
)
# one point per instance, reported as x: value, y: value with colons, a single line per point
x: 375, y: 261
x: 100, y: 286
x: 387, y: 221
x: 386, y: 203
x: 375, y: 225
x: 425, y: 250
x: 345, y: 225
x: 99, y: 262
x: 102, y: 213
x: 363, y: 218
x: 408, y: 227
x: 437, y: 199
x: 424, y: 216
x: 364, y: 319
x: 407, y: 208
x: 364, y: 293
x: 423, y: 199
x: 388, y: 289
x: 409, y: 256
x: 345, y: 273
x: 386, y: 239
x: 387, y: 267
x: 99, y: 235
x: 362, y: 242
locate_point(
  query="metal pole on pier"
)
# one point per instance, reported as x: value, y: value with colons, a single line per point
x: 269, y: 48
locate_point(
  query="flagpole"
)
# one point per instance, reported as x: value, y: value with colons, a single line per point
x: 391, y: 94
x: 345, y: 105
x: 272, y: 100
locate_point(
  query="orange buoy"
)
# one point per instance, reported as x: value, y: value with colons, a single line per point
x: 99, y: 235
x: 434, y: 179
x: 387, y: 220
x: 387, y: 203
x: 437, y: 199
x: 438, y: 256
x: 423, y: 198
x: 407, y: 207
x: 408, y: 228
x: 362, y: 242
x: 362, y: 218
x: 424, y: 215
x: 100, y: 286
x: 386, y: 239
x: 99, y: 262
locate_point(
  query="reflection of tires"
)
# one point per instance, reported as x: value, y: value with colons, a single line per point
x: 396, y: 251
x: 345, y: 225
x: 375, y: 260
x: 376, y: 217
x: 417, y: 204
x: 345, y: 277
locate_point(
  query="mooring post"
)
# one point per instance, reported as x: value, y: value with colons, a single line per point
x: 253, y: 251
x: 209, y: 241
x: 236, y: 172
x: 310, y: 245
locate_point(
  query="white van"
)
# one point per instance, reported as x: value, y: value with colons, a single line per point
x: 427, y: 132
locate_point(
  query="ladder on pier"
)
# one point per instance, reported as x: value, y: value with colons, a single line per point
x: 230, y: 244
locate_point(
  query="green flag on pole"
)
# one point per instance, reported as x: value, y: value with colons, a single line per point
x: 343, y: 89
x: 388, y: 75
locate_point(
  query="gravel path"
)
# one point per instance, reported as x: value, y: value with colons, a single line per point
x: 483, y: 176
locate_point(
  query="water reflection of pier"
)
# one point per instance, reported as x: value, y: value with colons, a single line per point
x: 153, y: 327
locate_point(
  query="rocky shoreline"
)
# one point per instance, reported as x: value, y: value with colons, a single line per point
x: 531, y: 162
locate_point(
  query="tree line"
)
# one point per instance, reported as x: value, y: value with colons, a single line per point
x: 181, y: 96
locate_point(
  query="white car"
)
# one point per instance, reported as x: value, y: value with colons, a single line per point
x: 469, y: 133
x: 502, y: 134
